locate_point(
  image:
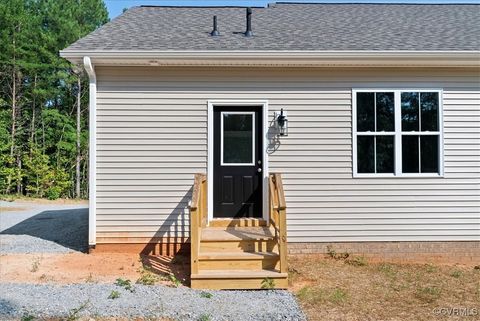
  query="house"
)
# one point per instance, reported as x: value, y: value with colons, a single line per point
x: 355, y: 126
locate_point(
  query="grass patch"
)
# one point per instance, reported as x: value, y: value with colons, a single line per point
x: 147, y: 277
x: 456, y: 274
x: 126, y: 284
x: 430, y: 268
x: 357, y: 261
x: 268, y: 283
x: 206, y: 295
x: 336, y: 255
x: 428, y: 294
x: 387, y: 270
x: 27, y: 317
x: 175, y: 282
x: 205, y: 317
x: 315, y: 295
x: 114, y: 295
x: 73, y: 314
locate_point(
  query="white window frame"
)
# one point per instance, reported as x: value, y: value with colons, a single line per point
x: 398, y: 133
x: 252, y: 163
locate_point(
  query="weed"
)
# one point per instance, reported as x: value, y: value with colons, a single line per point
x: 428, y: 294
x: 27, y: 317
x: 205, y: 317
x: 114, y: 295
x: 430, y: 268
x: 89, y: 278
x: 73, y: 313
x: 456, y: 274
x: 314, y: 295
x: 357, y: 261
x: 35, y: 265
x: 205, y: 294
x: 387, y: 269
x: 176, y: 282
x: 337, y: 256
x: 126, y: 284
x: 43, y: 277
x: 268, y: 283
x: 147, y: 277
x: 337, y: 296
x: 293, y: 275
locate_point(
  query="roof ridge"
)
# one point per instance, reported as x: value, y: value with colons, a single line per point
x: 194, y: 7
x: 374, y: 3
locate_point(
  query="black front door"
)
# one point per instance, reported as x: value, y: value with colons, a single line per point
x: 238, y: 159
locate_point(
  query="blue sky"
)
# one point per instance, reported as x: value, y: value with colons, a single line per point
x: 115, y: 7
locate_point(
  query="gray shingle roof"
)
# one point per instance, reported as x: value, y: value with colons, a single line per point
x: 292, y: 27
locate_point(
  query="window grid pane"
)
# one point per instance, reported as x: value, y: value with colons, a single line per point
x: 418, y: 132
x: 237, y: 138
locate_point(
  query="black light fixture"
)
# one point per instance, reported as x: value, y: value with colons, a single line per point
x: 282, y: 122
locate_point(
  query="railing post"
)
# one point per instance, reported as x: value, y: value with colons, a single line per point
x: 197, y: 209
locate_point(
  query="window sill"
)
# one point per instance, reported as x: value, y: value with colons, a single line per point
x: 426, y: 175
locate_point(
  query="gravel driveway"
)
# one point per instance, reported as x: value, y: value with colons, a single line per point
x: 43, y: 301
x: 42, y: 228
x: 59, y: 229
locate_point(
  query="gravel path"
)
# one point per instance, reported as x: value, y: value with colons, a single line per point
x: 42, y: 228
x: 43, y: 301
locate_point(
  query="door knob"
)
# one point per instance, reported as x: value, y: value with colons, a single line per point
x: 259, y: 170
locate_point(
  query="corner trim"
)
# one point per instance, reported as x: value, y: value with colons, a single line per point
x: 92, y: 166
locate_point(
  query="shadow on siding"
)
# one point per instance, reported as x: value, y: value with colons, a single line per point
x: 167, y: 252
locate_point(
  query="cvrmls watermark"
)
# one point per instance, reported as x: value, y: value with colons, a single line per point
x: 460, y: 312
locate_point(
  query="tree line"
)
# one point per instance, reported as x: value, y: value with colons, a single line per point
x: 43, y: 97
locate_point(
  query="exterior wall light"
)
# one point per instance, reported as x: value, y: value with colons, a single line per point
x: 281, y: 123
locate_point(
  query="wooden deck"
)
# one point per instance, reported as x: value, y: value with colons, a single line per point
x: 238, y: 253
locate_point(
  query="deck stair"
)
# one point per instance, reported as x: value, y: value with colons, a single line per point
x: 236, y: 253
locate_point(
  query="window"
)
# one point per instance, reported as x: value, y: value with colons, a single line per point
x: 237, y: 138
x: 397, y: 132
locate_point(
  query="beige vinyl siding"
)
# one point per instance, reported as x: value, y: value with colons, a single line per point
x: 152, y: 139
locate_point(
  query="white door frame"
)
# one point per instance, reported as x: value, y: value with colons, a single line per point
x: 263, y: 104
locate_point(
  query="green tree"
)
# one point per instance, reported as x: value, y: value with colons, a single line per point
x: 43, y: 135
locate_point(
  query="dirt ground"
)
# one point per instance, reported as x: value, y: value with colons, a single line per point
x: 350, y: 289
x: 327, y: 288
x: 96, y: 267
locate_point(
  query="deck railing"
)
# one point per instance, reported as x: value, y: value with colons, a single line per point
x: 198, y: 218
x: 278, y: 217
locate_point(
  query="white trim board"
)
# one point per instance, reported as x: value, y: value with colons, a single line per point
x: 263, y: 104
x: 92, y: 165
x: 286, y: 58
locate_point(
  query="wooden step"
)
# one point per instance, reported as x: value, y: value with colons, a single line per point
x: 211, y: 234
x: 237, y: 279
x: 239, y: 246
x: 237, y: 222
x: 238, y: 260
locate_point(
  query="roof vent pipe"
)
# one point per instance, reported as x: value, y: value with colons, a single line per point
x: 248, y: 32
x: 215, y: 31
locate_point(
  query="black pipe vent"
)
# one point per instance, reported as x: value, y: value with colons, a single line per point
x: 248, y: 32
x: 215, y: 31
